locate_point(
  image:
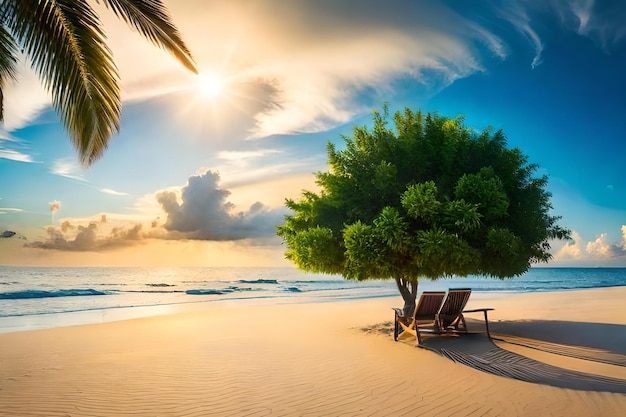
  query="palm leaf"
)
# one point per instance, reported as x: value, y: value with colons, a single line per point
x: 66, y: 44
x: 151, y: 19
x: 8, y: 62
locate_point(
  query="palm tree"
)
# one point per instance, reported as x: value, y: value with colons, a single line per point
x: 66, y: 45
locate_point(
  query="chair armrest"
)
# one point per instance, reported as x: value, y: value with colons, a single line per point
x: 477, y: 310
x: 484, y: 311
x: 399, y: 312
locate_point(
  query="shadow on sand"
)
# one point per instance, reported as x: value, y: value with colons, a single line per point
x: 597, y: 342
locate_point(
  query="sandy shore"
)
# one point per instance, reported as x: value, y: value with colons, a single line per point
x: 327, y: 359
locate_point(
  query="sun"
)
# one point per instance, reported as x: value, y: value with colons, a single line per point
x: 210, y: 86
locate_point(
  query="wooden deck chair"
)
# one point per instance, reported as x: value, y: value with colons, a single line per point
x: 450, y: 315
x: 425, y: 313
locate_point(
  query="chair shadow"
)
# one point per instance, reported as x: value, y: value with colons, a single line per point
x: 601, y: 336
x: 598, y: 342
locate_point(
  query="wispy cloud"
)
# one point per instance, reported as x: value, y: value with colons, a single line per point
x: 6, y: 210
x: 600, y: 20
x: 112, y: 192
x: 68, y: 168
x: 14, y: 155
x: 517, y: 15
x: 313, y: 60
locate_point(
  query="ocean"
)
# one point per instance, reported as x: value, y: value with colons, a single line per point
x: 35, y: 298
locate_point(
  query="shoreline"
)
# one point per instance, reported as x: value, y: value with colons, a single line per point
x: 331, y: 358
x: 30, y: 322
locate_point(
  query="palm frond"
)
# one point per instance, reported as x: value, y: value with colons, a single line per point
x: 8, y: 62
x: 67, y: 46
x: 152, y: 20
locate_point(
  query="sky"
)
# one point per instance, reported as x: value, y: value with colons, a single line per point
x: 201, y: 167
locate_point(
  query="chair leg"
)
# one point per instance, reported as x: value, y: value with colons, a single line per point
x: 395, y: 329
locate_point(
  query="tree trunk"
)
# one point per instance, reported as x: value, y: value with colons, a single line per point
x: 408, y: 290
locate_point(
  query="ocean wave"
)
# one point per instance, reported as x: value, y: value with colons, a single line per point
x: 258, y: 281
x: 206, y: 292
x: 212, y: 291
x: 27, y: 294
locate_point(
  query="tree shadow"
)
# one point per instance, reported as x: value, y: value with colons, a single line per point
x: 597, y: 342
x: 600, y: 336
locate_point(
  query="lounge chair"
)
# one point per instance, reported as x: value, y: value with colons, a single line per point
x: 425, y: 313
x: 450, y: 314
x: 438, y: 312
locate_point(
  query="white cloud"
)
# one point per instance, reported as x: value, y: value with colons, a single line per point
x: 6, y: 210
x: 598, y: 251
x: 197, y: 211
x: 599, y: 247
x: 582, y: 9
x: 25, y: 99
x: 112, y: 192
x: 315, y: 60
x: 245, y: 155
x: 14, y: 155
x: 571, y: 250
x: 515, y: 14
x: 68, y: 168
x: 602, y: 21
x: 201, y: 211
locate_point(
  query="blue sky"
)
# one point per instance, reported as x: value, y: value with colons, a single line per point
x: 200, y: 169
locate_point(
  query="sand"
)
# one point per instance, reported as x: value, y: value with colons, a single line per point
x: 320, y: 359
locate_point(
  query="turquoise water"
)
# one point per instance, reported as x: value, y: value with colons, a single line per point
x: 34, y: 295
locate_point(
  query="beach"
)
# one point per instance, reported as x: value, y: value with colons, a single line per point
x: 320, y: 359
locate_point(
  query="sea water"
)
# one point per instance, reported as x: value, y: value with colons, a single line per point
x: 48, y: 297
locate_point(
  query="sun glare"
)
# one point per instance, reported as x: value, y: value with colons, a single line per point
x: 210, y: 86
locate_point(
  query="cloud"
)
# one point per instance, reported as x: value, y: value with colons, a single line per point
x: 80, y: 238
x: 197, y: 211
x: 595, y: 251
x: 55, y: 205
x: 112, y: 192
x: 314, y: 60
x: 600, y: 20
x: 518, y: 16
x: 6, y: 210
x: 24, y: 99
x: 202, y: 212
x: 68, y: 168
x: 14, y: 155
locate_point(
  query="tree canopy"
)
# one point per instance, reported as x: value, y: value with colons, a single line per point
x: 67, y: 47
x: 428, y: 198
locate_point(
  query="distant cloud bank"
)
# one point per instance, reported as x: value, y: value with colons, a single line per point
x: 197, y: 211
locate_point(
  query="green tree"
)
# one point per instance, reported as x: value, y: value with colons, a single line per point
x: 67, y: 47
x: 429, y: 198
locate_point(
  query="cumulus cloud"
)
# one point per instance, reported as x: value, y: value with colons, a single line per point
x: 79, y: 238
x: 197, y: 211
x: 202, y: 212
x: 599, y: 249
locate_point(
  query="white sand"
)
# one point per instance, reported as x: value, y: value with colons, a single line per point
x: 327, y: 359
